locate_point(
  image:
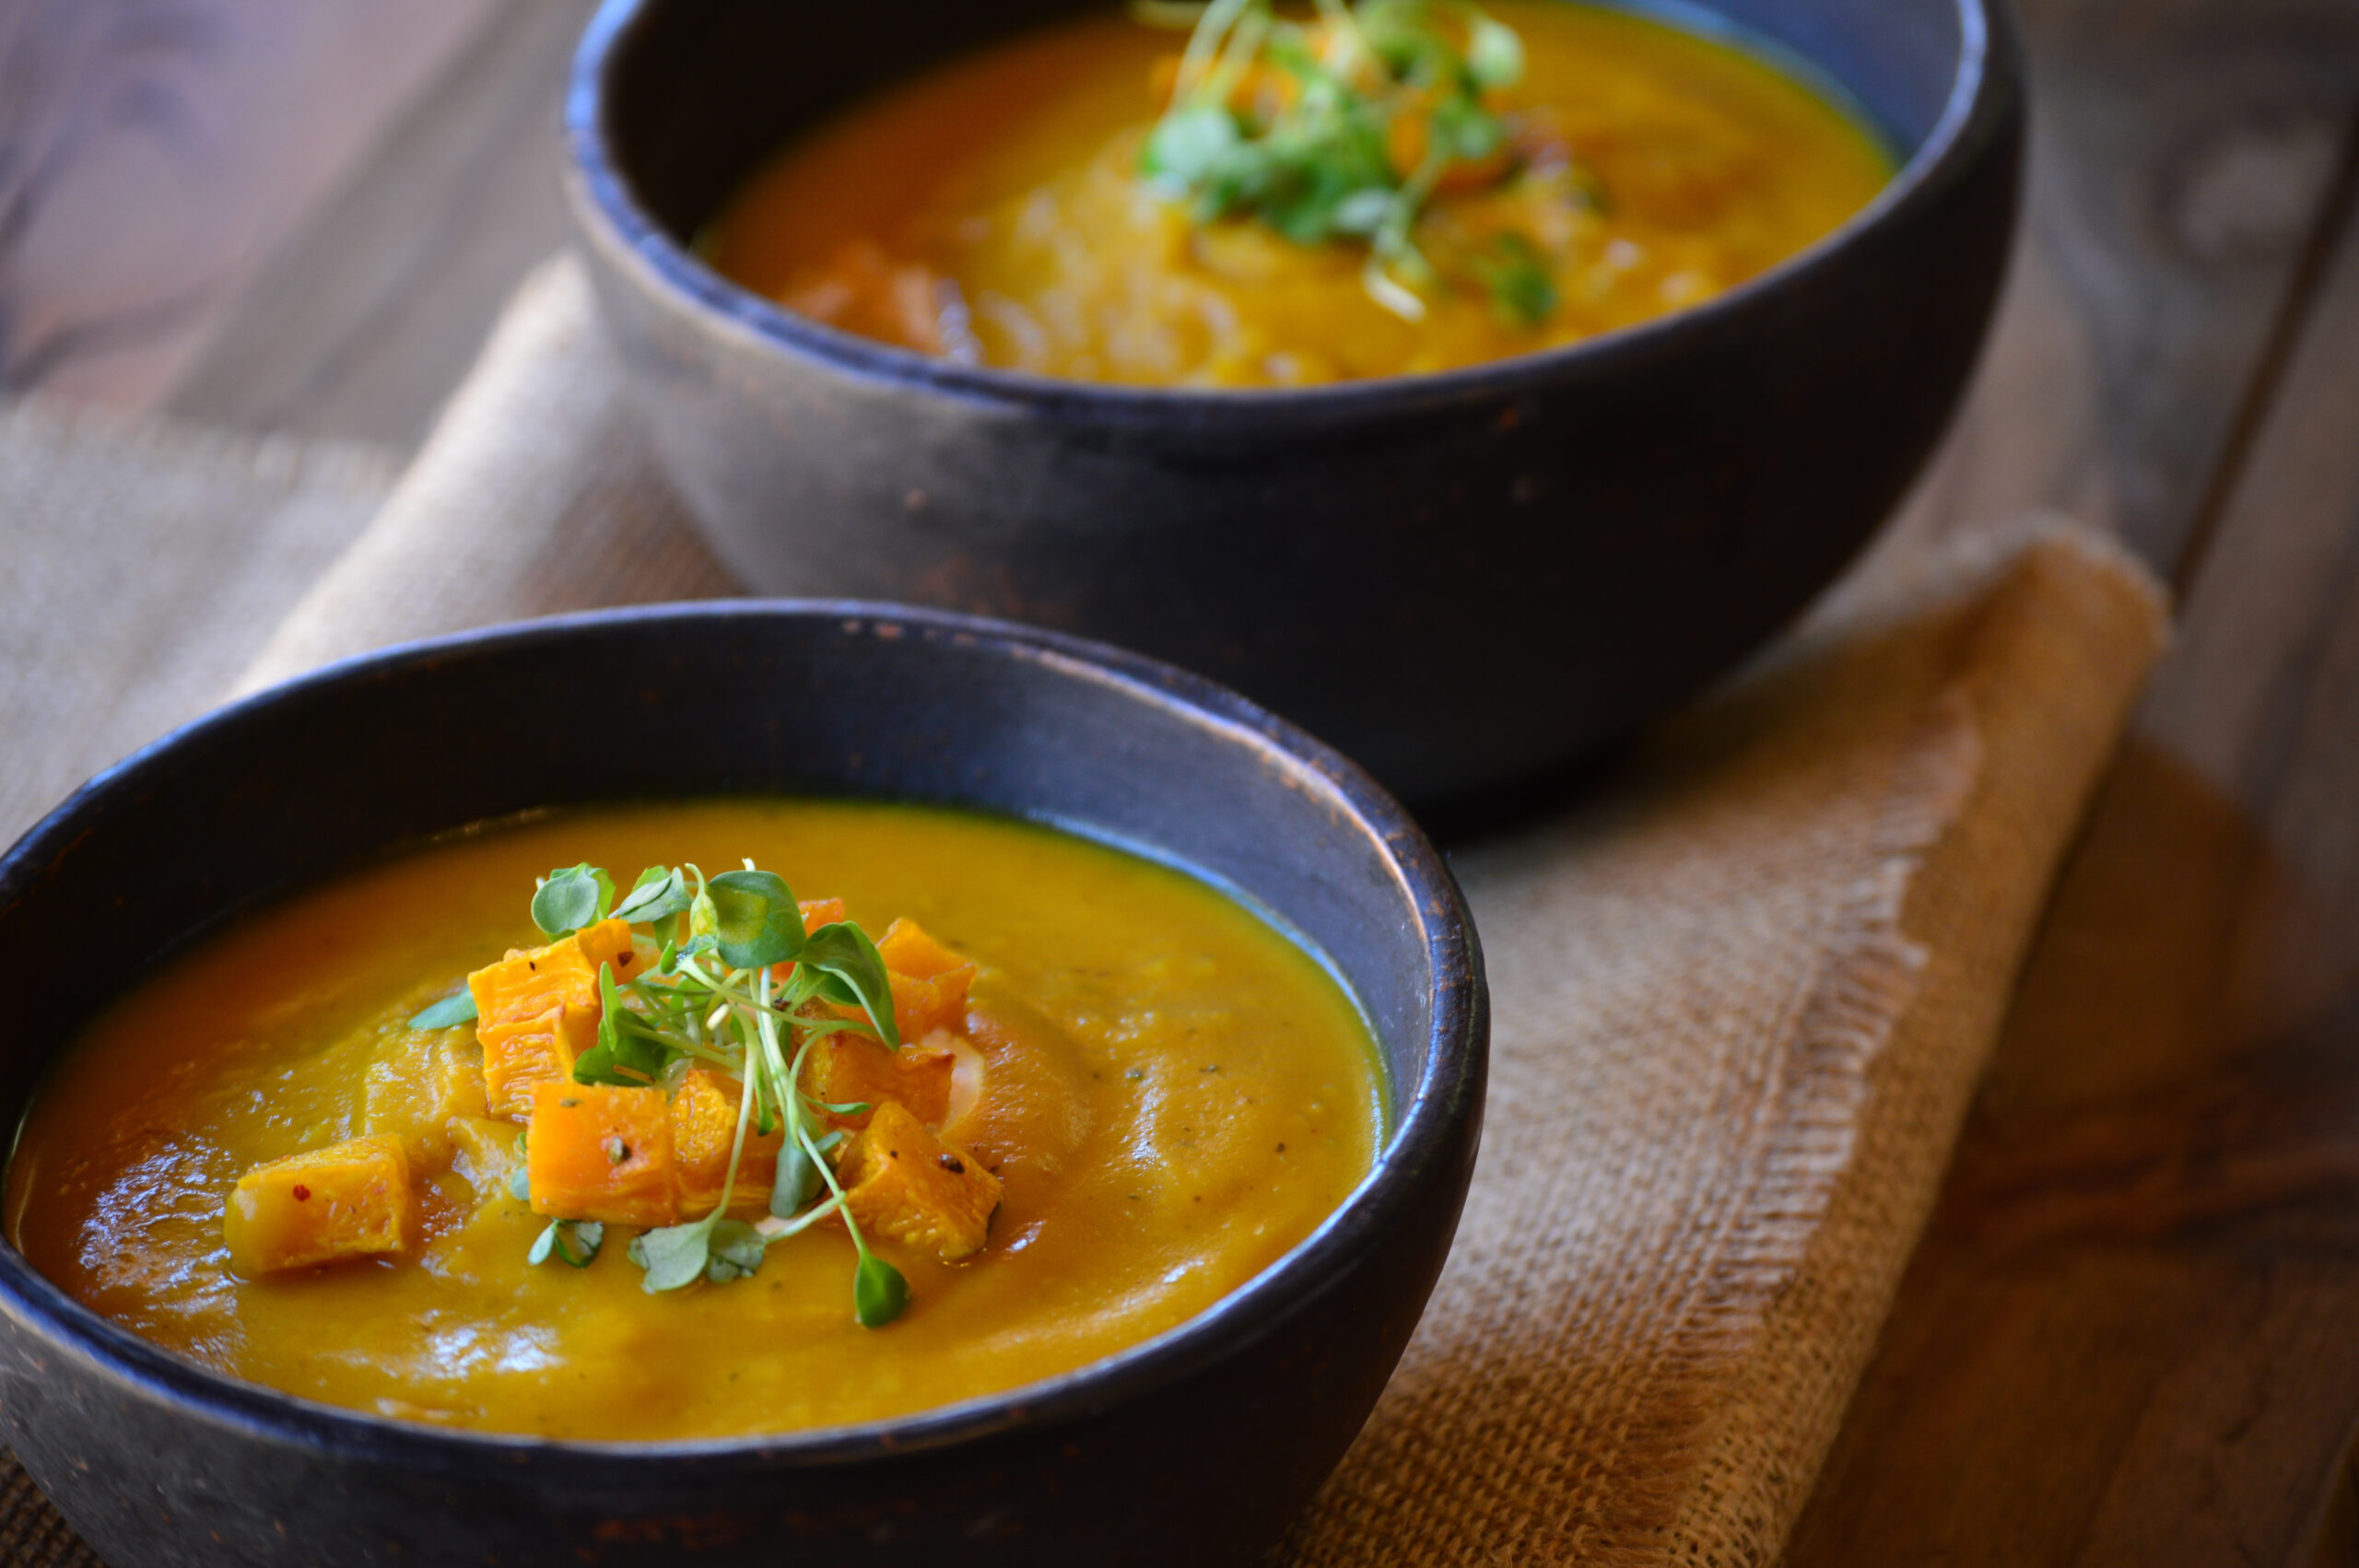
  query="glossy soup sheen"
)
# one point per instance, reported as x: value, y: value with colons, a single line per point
x: 1181, y: 1092
x: 991, y: 211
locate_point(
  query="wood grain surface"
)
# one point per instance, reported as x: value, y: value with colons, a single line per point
x: 363, y: 323
x: 154, y: 154
x: 2127, y: 1336
x: 2130, y: 1335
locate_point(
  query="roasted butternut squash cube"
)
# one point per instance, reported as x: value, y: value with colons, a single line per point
x: 349, y: 1200
x: 519, y: 1056
x: 846, y: 1069
x: 904, y: 1184
x: 596, y: 1151
x: 530, y: 981
x: 608, y: 942
x: 418, y: 1081
x: 704, y: 1128
x: 920, y: 1008
x: 908, y: 949
x: 929, y: 982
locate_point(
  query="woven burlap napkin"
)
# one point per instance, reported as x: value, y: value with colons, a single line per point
x: 1744, y: 983
x: 142, y: 566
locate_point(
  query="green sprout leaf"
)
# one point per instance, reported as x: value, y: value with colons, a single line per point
x: 661, y: 891
x: 879, y: 1293
x: 1466, y: 130
x: 572, y: 897
x: 449, y: 1014
x: 1518, y: 280
x: 668, y: 962
x: 610, y: 1005
x: 796, y: 1184
x: 853, y: 975
x: 572, y: 1241
x: 631, y: 1061
x: 756, y: 919
x: 1318, y: 166
x: 733, y: 1251
x: 623, y: 1055
x: 1494, y: 53
x: 520, y: 1184
x: 1402, y: 33
x: 1187, y: 146
x: 674, y: 1255
x: 1363, y: 211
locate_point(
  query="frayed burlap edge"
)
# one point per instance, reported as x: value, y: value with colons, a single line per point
x: 1869, y: 978
x: 2022, y: 657
x: 2067, y: 610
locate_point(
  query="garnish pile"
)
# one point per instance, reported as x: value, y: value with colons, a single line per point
x: 1344, y: 128
x: 695, y: 1052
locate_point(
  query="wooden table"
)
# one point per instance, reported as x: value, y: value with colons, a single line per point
x: 2132, y: 1334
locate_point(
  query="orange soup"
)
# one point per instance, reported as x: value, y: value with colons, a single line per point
x: 693, y: 1156
x: 1379, y: 190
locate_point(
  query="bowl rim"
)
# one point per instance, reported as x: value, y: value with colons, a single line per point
x: 1983, y: 93
x: 1448, y: 1092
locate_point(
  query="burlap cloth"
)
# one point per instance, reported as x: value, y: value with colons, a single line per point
x: 1744, y: 983
x: 142, y: 567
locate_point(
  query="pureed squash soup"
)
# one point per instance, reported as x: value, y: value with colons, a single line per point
x: 1391, y: 187
x: 1049, y: 1099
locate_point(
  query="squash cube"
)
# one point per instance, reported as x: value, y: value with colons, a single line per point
x: 608, y: 942
x: 704, y: 1128
x: 418, y: 1081
x: 538, y: 1008
x: 519, y: 1056
x: 929, y: 982
x: 848, y: 1068
x: 596, y: 1151
x: 530, y: 981
x: 349, y: 1200
x: 903, y: 1183
x: 908, y: 949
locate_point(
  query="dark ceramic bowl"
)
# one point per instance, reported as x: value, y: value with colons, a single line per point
x: 1457, y: 579
x: 1191, y: 1449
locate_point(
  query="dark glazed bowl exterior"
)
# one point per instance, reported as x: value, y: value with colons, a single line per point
x: 1191, y: 1450
x: 1457, y: 579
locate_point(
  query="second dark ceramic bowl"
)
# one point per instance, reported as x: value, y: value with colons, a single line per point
x: 1457, y: 579
x: 1191, y: 1450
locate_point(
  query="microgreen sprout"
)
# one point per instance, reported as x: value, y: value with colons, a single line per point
x: 1343, y: 128
x: 572, y: 897
x: 572, y: 1241
x: 449, y: 1014
x: 745, y: 990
